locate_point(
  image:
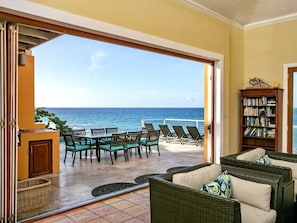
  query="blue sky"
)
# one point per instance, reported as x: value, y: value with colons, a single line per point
x: 75, y: 72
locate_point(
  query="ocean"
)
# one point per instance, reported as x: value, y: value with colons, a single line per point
x: 126, y: 119
x: 129, y: 119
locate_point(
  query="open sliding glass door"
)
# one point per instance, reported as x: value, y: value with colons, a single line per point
x: 213, y: 127
x: 208, y: 113
x: 8, y: 150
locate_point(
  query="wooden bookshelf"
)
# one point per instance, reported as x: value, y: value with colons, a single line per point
x: 261, y: 118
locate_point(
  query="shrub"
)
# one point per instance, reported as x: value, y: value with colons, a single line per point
x: 53, y: 122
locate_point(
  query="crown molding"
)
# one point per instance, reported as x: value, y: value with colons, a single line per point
x: 213, y: 14
x: 210, y: 13
x: 267, y: 22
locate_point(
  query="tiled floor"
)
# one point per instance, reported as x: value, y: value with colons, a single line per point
x: 70, y: 190
x: 132, y: 207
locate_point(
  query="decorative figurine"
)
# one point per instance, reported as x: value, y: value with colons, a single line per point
x: 258, y: 82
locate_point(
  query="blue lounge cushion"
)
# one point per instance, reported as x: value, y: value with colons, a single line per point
x: 220, y: 186
x: 263, y: 160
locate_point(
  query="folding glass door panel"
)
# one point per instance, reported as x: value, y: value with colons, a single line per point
x: 8, y: 130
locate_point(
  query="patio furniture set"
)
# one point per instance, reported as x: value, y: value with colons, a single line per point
x: 110, y: 140
x: 254, y: 186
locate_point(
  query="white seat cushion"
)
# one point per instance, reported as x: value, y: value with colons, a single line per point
x: 195, y: 179
x: 252, y: 193
x: 252, y: 155
x: 251, y: 214
x: 291, y: 165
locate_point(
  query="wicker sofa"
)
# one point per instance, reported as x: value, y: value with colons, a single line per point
x: 280, y: 165
x: 173, y: 203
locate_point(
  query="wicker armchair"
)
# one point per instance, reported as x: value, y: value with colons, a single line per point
x: 173, y: 203
x: 285, y: 172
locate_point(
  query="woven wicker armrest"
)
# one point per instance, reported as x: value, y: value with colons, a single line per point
x: 282, y: 156
x: 175, y: 203
x: 232, y: 161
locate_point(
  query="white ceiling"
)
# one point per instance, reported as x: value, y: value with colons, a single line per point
x: 245, y: 12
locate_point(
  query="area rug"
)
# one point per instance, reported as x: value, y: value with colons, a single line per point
x: 175, y: 169
x: 145, y: 178
x: 110, y: 188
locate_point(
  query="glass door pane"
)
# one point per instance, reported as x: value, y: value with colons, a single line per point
x: 294, y: 118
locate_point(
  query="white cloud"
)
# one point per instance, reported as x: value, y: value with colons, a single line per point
x: 96, y: 59
x: 190, y: 98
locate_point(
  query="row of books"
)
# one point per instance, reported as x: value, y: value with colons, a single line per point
x: 258, y: 101
x: 256, y: 111
x: 258, y: 121
x: 259, y: 132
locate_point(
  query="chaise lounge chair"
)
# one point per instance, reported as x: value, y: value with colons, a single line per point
x: 149, y: 126
x: 166, y: 132
x: 195, y: 134
x: 181, y: 135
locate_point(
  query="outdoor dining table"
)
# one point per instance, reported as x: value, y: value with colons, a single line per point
x: 96, y: 138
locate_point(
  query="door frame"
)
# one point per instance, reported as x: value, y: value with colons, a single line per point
x: 38, y: 15
x: 285, y: 104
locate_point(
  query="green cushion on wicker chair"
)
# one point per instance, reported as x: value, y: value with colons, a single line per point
x: 118, y: 142
x: 74, y: 146
x: 151, y: 139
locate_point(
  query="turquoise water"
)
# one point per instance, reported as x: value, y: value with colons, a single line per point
x: 126, y: 119
x: 129, y: 119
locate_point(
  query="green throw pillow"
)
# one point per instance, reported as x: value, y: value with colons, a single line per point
x: 263, y: 160
x: 220, y: 186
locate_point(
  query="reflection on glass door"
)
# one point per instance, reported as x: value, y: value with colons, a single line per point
x: 294, y: 114
x: 292, y: 111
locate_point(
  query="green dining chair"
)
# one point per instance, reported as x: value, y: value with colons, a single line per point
x: 117, y: 143
x: 74, y: 147
x: 133, y: 141
x: 151, y: 139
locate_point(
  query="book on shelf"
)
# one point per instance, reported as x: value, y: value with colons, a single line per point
x: 247, y: 130
x: 253, y: 132
x: 258, y: 101
x: 271, y: 102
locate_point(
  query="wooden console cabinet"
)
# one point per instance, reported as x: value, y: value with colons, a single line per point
x: 261, y: 118
x: 40, y: 157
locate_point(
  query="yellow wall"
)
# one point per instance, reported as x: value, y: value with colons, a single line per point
x: 26, y: 94
x: 23, y: 150
x: 31, y: 131
x: 258, y: 52
x: 267, y: 49
x: 173, y: 20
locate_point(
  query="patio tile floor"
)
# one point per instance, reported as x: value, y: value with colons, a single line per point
x: 70, y: 192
